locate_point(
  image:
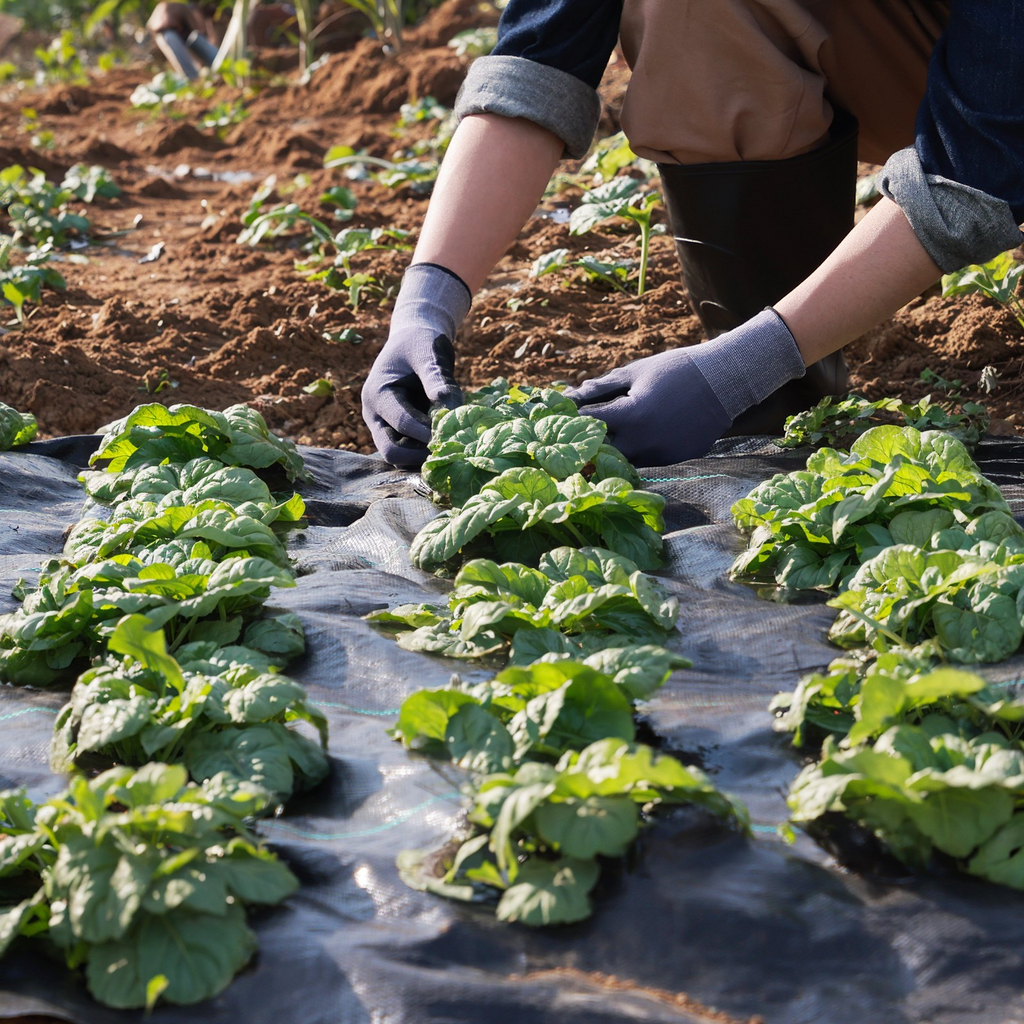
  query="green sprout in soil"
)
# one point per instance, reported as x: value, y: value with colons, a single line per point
x: 619, y: 198
x: 420, y: 175
x: 997, y: 279
x: 22, y: 283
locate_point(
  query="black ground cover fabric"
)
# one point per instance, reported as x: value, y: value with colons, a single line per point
x: 748, y: 926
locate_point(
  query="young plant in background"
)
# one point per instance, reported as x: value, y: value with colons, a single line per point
x: 223, y: 116
x: 24, y: 282
x: 37, y: 208
x: 90, y: 183
x: 549, y: 262
x: 998, y: 279
x: 385, y: 17
x: 419, y: 174
x: 60, y: 61
x: 281, y: 220
x: 474, y: 42
x: 612, y: 155
x: 619, y: 198
x: 614, y: 275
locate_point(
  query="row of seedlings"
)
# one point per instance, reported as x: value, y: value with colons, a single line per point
x: 547, y: 537
x: 929, y: 567
x: 141, y: 873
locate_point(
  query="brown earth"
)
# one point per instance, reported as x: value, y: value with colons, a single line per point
x: 213, y: 322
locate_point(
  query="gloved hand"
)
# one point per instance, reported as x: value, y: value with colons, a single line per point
x: 415, y: 369
x: 674, y: 406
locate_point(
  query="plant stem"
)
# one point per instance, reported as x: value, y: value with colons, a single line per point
x: 645, y: 250
x: 583, y: 542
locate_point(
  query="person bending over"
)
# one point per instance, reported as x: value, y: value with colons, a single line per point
x: 756, y: 112
x: 186, y: 33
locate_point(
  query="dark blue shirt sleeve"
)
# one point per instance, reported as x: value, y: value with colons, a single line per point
x: 970, y: 127
x: 575, y: 36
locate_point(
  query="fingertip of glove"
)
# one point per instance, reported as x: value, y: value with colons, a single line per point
x: 448, y: 398
x: 401, y: 457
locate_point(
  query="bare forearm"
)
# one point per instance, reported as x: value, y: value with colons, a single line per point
x: 492, y: 178
x: 878, y: 268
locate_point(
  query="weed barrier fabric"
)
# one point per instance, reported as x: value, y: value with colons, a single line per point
x: 746, y: 926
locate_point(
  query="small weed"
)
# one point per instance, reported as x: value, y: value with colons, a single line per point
x: 320, y: 388
x: 162, y: 381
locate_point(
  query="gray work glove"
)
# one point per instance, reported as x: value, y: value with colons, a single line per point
x: 415, y: 369
x: 674, y: 406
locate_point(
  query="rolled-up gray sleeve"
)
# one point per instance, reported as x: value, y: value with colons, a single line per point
x: 956, y: 224
x: 551, y: 98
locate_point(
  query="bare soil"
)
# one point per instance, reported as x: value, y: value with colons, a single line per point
x: 216, y: 322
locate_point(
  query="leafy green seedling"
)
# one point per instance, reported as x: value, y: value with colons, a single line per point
x: 320, y: 388
x: 613, y: 154
x: 89, y: 183
x: 60, y: 61
x: 425, y: 109
x: 281, y: 220
x: 163, y: 380
x: 347, y: 243
x: 223, y: 116
x: 38, y: 209
x: 342, y: 200
x: 474, y: 42
x: 549, y: 262
x: 141, y: 881
x: 347, y: 336
x: 165, y: 89
x: 611, y: 275
x: 420, y: 174
x: 619, y: 198
x: 998, y: 279
x: 24, y: 282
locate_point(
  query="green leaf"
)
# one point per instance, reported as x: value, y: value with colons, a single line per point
x: 640, y: 671
x: 107, y: 724
x: 16, y: 428
x: 589, y: 707
x: 13, y: 920
x: 197, y: 954
x: 255, y: 875
x: 549, y: 262
x: 477, y: 741
x: 320, y: 388
x: 253, y: 754
x: 282, y: 635
x: 103, y: 889
x: 602, y: 203
x: 136, y: 637
x: 584, y: 828
x: 1001, y: 857
x: 549, y: 892
x: 960, y: 820
x: 424, y: 716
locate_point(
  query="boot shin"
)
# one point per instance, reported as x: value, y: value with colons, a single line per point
x: 748, y: 233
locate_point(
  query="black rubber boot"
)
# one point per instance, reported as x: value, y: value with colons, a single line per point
x: 748, y: 233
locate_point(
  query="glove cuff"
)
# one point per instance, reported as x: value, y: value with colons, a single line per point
x: 432, y: 296
x: 746, y: 365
